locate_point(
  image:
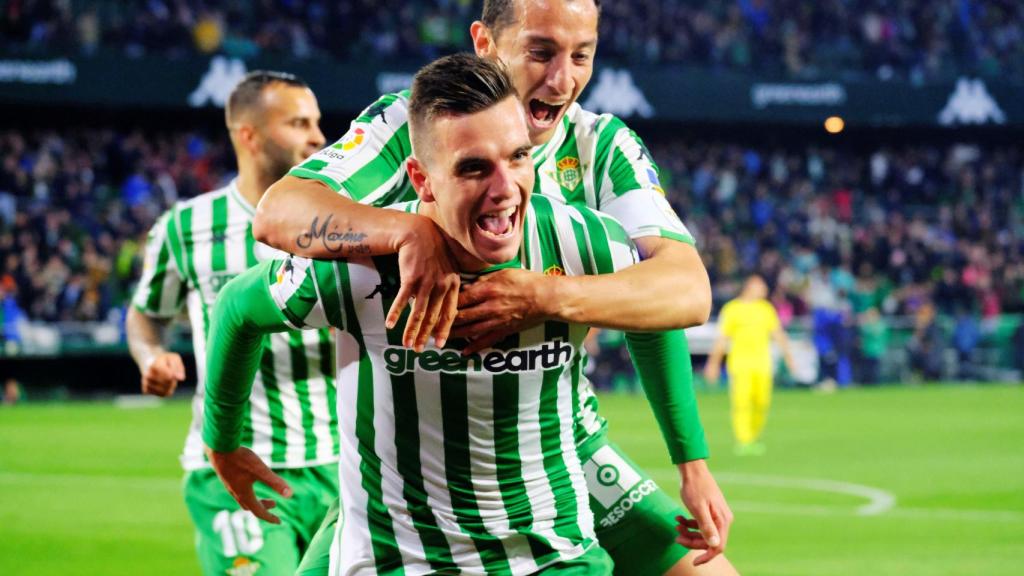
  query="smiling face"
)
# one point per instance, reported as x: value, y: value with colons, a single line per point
x: 549, y: 49
x: 475, y: 182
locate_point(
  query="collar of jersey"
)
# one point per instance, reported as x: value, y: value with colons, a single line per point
x: 237, y: 195
x: 541, y: 153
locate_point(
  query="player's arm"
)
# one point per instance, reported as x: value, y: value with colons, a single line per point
x: 271, y: 297
x: 329, y: 207
x: 713, y: 367
x: 158, y: 297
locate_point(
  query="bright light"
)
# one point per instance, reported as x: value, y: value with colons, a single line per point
x: 834, y: 124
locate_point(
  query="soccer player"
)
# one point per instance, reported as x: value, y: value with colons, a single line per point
x: 450, y: 463
x: 750, y: 323
x: 192, y: 251
x: 325, y: 208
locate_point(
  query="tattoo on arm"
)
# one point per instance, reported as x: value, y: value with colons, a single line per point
x: 346, y: 243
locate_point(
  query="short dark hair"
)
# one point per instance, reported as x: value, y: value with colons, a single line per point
x: 500, y: 14
x: 246, y: 94
x: 453, y: 86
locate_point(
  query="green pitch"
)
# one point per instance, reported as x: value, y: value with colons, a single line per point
x: 903, y: 481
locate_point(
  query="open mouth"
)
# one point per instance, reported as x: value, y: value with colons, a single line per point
x: 499, y: 223
x: 544, y: 114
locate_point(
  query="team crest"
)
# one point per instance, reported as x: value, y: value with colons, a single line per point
x: 243, y: 566
x: 569, y: 172
x: 554, y: 270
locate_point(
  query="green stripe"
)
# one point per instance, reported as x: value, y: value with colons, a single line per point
x: 598, y: 241
x: 302, y: 301
x: 566, y: 519
x: 303, y: 172
x: 677, y: 236
x: 605, y: 141
x: 458, y: 470
x: 278, y: 439
x: 325, y: 275
x: 382, y: 534
x: 156, y: 283
x: 615, y: 231
x: 547, y: 233
x: 300, y: 378
x: 218, y: 261
x: 250, y: 247
x: 383, y: 103
x: 407, y: 442
x: 387, y: 163
x: 327, y: 364
x: 622, y: 173
x: 581, y: 245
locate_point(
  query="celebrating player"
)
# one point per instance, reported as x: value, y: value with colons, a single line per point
x: 192, y: 252
x: 450, y: 463
x: 325, y: 208
x: 750, y: 323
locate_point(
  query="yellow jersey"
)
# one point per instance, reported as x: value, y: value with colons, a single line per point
x: 749, y: 325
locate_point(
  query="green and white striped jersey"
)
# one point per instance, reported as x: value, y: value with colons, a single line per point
x: 591, y: 160
x: 194, y: 249
x: 453, y: 464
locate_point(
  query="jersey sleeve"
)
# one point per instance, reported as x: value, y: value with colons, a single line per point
x: 162, y: 288
x: 629, y: 188
x: 305, y: 291
x: 368, y: 163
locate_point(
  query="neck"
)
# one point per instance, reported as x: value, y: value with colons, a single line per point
x: 252, y: 183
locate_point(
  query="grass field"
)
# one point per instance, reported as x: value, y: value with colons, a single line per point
x: 903, y: 481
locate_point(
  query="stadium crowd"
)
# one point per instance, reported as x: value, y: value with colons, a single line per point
x: 798, y: 38
x: 841, y: 236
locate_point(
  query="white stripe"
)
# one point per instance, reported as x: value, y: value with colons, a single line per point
x: 586, y: 144
x: 353, y: 544
x: 318, y: 386
x: 259, y: 416
x: 432, y: 464
x: 566, y: 239
x: 291, y: 408
x: 202, y: 248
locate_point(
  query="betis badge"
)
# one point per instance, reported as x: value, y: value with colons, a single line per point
x: 569, y: 172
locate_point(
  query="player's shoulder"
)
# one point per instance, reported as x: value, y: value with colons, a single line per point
x: 390, y: 109
x: 596, y: 124
x: 201, y: 200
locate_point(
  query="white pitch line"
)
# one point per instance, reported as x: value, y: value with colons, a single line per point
x: 879, y: 501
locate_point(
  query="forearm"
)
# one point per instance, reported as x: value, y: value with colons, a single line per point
x: 717, y: 352
x: 145, y: 337
x: 663, y: 362
x: 243, y: 315
x: 668, y: 290
x: 307, y: 218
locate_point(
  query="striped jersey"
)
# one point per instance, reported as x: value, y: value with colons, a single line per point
x: 449, y: 463
x: 592, y: 160
x: 193, y: 250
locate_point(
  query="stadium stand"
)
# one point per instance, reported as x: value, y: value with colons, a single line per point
x: 796, y: 38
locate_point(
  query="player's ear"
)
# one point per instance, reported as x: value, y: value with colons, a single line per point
x: 419, y: 179
x: 483, y: 42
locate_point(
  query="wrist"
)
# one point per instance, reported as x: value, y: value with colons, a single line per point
x: 692, y: 468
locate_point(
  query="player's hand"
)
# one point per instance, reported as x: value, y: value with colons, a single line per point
x: 500, y: 304
x: 709, y: 528
x: 712, y: 372
x: 239, y: 470
x: 161, y: 375
x: 430, y: 279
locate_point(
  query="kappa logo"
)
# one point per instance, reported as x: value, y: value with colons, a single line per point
x: 569, y: 175
x: 971, y: 103
x: 617, y: 93
x: 218, y: 82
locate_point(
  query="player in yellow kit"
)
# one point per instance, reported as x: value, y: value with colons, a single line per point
x: 750, y: 323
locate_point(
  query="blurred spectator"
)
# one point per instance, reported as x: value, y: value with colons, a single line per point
x: 916, y: 41
x: 926, y: 344
x: 873, y: 336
